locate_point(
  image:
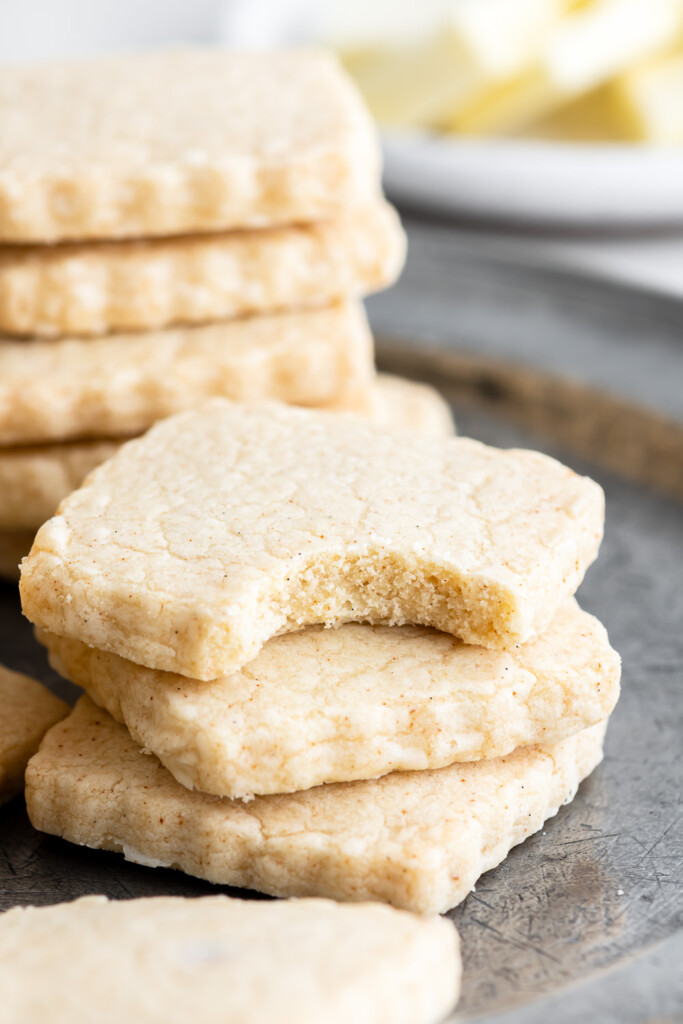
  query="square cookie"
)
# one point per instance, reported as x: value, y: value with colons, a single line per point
x: 418, y: 840
x: 225, y: 961
x: 332, y: 705
x: 223, y: 527
x: 102, y: 287
x: 122, y: 383
x: 172, y: 142
x: 35, y: 478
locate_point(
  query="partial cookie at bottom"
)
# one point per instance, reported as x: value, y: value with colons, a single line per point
x: 418, y: 840
x: 218, y: 960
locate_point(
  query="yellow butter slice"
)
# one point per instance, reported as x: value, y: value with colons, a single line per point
x: 651, y: 98
x: 421, y: 78
x: 580, y: 53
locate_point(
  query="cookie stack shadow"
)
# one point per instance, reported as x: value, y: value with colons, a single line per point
x: 457, y: 701
x: 174, y: 227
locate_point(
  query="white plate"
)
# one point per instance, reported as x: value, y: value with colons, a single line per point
x: 537, y: 182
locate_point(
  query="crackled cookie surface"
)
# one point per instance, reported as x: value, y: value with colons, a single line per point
x: 222, y: 960
x: 121, y: 384
x: 27, y: 711
x: 223, y: 527
x: 418, y: 840
x: 330, y: 705
x: 102, y: 287
x: 178, y: 141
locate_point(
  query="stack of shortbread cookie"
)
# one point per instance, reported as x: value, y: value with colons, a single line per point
x: 459, y: 700
x: 173, y: 227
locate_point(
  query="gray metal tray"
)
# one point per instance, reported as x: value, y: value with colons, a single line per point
x: 584, y: 921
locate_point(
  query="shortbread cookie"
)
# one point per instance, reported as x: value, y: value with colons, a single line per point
x: 418, y: 840
x: 34, y: 479
x: 123, y: 286
x: 225, y: 961
x: 28, y: 711
x: 335, y: 705
x: 121, y: 384
x: 415, y: 406
x: 181, y: 141
x: 223, y: 527
x: 14, y: 545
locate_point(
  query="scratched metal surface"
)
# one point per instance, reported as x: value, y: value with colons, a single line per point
x: 584, y: 920
x: 604, y: 879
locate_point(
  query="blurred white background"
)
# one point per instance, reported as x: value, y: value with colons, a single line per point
x: 31, y: 29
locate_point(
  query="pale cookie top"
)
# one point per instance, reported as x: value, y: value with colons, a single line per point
x: 27, y: 711
x: 219, y: 960
x: 331, y: 705
x: 418, y: 840
x: 179, y: 141
x: 100, y: 287
x: 223, y: 527
x: 73, y: 388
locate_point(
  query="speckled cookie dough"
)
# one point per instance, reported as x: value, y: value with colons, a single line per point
x: 418, y: 840
x: 223, y: 527
x: 332, y: 705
